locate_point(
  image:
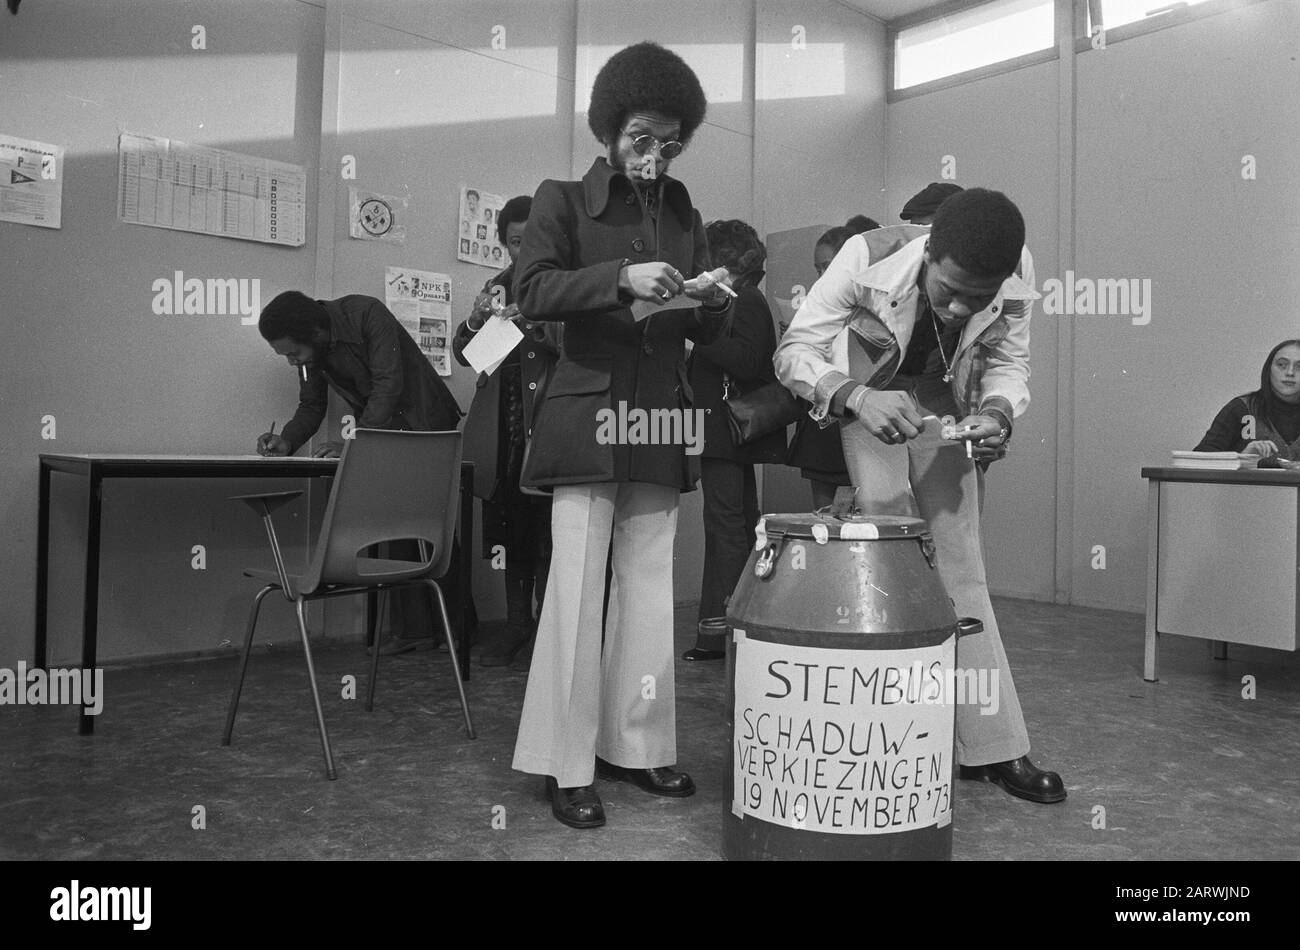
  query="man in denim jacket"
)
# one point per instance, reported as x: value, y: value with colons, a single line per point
x: 905, y: 324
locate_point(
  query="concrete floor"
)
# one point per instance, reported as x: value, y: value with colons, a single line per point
x: 1185, y: 768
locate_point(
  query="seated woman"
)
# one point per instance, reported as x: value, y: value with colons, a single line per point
x: 1265, y: 422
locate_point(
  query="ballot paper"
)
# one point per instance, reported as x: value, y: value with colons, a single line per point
x: 645, y: 308
x: 492, y: 344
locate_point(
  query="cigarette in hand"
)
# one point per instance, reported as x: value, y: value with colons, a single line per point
x: 302, y: 372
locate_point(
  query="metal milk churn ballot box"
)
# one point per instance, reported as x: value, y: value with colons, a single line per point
x: 841, y: 655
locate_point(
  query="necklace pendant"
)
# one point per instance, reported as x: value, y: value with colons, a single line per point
x: 947, y: 377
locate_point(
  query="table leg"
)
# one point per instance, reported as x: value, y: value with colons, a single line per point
x: 43, y: 567
x: 90, y: 608
x: 1152, y: 652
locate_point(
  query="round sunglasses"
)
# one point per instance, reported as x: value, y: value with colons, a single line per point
x: 642, y: 144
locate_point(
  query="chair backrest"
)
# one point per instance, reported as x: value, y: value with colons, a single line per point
x: 390, y: 486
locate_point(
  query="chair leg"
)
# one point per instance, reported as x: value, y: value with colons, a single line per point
x: 315, y: 692
x: 451, y: 649
x: 243, y: 663
x: 374, y: 651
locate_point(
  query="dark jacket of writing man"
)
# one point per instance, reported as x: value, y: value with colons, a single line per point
x: 355, y: 346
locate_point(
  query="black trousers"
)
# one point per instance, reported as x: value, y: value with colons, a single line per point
x: 730, y: 515
x: 414, y: 613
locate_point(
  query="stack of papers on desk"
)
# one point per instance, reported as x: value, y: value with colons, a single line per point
x: 1224, y: 461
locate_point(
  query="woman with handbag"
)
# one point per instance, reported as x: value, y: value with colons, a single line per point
x: 737, y: 366
x: 516, y: 525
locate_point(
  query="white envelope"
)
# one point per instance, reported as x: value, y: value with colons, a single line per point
x: 492, y: 344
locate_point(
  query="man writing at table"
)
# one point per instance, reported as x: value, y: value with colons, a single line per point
x: 355, y: 346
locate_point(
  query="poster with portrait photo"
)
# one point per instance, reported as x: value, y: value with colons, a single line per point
x: 476, y: 230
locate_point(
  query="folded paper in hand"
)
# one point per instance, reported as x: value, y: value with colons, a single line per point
x: 932, y: 434
x: 492, y: 344
x: 644, y: 308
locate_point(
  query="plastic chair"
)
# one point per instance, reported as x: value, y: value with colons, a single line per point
x: 390, y: 486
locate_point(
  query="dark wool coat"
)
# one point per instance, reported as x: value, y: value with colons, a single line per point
x: 744, y: 352
x: 536, y: 353
x: 579, y: 234
x: 378, y: 370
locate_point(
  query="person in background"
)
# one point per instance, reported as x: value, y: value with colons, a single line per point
x: 921, y: 207
x: 498, y: 427
x: 625, y: 234
x: 355, y: 347
x: 1265, y: 422
x: 743, y: 353
x: 939, y: 325
x: 816, y: 450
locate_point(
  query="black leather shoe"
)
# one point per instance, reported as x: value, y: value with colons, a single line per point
x: 658, y: 781
x: 1021, y: 778
x: 504, y: 650
x: 576, y: 807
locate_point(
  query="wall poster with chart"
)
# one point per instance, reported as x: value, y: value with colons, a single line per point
x: 163, y: 183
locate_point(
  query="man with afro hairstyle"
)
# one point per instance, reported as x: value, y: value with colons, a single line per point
x: 940, y: 326
x: 626, y: 233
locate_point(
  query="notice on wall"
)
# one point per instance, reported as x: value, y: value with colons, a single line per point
x: 854, y: 742
x: 163, y: 183
x: 478, y: 229
x: 376, y: 217
x: 31, y: 182
x: 421, y: 302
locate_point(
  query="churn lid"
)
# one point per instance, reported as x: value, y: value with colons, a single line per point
x: 852, y: 527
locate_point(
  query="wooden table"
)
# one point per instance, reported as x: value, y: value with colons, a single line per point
x: 1223, y: 550
x: 96, y: 468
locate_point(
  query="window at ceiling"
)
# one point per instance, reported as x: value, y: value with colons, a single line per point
x: 971, y: 39
x: 1113, y: 13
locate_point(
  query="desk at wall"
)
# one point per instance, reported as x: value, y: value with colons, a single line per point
x: 96, y: 468
x: 1223, y: 549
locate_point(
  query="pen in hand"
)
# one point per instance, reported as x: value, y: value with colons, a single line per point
x: 265, y: 442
